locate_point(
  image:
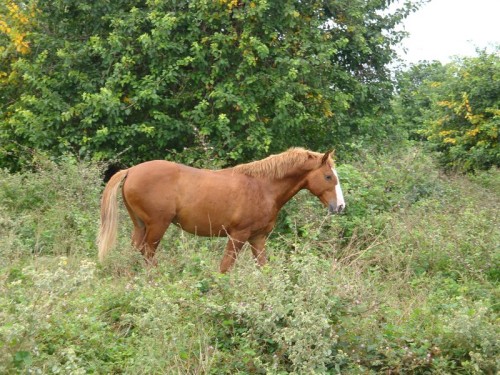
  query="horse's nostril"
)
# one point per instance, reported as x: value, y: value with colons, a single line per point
x: 340, y: 208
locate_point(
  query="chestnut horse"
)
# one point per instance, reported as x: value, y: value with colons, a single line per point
x: 241, y: 202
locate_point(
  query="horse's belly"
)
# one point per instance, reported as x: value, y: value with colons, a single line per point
x: 202, y: 225
x: 226, y: 208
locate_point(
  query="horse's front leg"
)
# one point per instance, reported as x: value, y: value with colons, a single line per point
x: 258, y: 244
x: 233, y: 247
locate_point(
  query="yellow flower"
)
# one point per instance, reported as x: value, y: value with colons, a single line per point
x: 450, y: 140
x: 473, y: 132
x: 445, y: 103
x: 328, y: 113
x: 444, y: 133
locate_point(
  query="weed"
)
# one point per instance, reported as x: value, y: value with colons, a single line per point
x: 406, y: 281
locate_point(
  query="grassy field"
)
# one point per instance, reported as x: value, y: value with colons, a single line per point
x: 405, y: 282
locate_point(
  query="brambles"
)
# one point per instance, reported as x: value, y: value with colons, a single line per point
x: 403, y: 283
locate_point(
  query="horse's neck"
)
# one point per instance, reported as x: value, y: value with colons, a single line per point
x: 285, y: 188
x: 282, y: 189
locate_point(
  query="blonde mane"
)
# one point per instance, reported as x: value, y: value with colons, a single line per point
x: 278, y: 166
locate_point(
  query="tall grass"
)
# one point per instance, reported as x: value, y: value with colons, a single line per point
x: 405, y: 282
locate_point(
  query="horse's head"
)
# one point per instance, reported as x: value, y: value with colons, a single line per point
x: 324, y: 183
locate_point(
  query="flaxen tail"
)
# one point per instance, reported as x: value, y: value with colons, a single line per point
x: 109, y: 214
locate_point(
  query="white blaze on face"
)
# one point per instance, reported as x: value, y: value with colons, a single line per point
x: 338, y: 192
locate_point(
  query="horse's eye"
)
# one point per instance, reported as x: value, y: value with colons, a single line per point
x: 328, y: 177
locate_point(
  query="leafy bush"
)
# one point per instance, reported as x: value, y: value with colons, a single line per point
x: 51, y: 210
x: 142, y: 78
x: 456, y: 108
x: 376, y: 186
x: 412, y: 290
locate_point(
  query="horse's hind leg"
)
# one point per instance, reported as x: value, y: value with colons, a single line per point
x: 153, y: 235
x: 145, y: 238
x: 138, y: 234
x: 139, y: 231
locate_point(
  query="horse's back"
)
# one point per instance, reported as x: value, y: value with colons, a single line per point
x: 150, y: 175
x: 201, y: 201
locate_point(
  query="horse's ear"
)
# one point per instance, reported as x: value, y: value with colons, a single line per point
x: 326, y: 156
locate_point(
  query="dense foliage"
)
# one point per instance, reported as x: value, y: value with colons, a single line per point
x: 456, y: 108
x: 135, y: 79
x: 406, y: 282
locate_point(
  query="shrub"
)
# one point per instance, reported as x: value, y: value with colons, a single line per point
x: 51, y: 210
x: 412, y: 290
x: 456, y: 109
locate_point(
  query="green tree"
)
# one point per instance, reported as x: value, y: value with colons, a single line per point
x: 227, y: 78
x: 416, y: 92
x: 16, y: 21
x: 456, y: 108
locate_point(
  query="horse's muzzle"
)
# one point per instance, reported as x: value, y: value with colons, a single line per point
x: 334, y: 209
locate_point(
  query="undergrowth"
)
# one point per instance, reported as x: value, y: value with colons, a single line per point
x: 405, y: 282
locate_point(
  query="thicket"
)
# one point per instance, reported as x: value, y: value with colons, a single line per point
x: 405, y: 282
